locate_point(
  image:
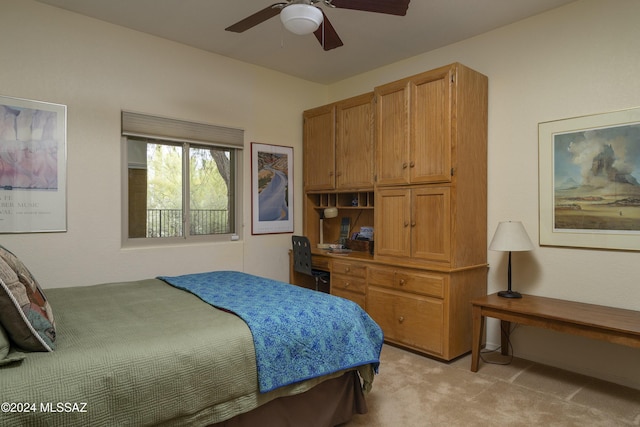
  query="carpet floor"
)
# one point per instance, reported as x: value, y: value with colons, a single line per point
x: 412, y: 390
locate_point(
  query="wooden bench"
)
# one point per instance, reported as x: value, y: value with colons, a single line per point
x: 611, y: 324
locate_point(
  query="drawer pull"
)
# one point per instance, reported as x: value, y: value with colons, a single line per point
x: 401, y: 319
x: 402, y: 282
x: 346, y: 285
x: 348, y: 269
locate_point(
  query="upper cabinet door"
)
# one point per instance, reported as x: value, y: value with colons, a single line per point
x: 430, y: 131
x: 414, y: 125
x: 392, y: 133
x: 354, y: 143
x: 319, y: 148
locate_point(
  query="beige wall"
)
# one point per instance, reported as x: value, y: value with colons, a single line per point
x: 97, y: 70
x: 581, y: 59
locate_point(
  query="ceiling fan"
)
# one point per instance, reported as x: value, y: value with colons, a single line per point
x: 303, y: 17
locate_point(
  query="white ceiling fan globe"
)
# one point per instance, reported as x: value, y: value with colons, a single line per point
x: 301, y: 19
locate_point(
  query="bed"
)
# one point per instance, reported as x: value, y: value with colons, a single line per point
x: 155, y: 352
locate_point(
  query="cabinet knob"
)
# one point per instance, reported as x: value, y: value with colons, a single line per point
x: 413, y: 223
x: 330, y: 173
x: 404, y: 165
x: 412, y: 164
x: 406, y: 223
x: 401, y: 319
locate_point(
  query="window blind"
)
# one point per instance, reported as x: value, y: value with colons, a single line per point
x: 146, y: 126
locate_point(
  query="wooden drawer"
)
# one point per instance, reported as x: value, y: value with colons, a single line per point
x: 353, y: 296
x: 347, y: 283
x: 349, y: 268
x: 411, y: 320
x: 431, y: 284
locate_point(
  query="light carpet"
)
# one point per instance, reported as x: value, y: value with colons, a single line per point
x: 413, y: 390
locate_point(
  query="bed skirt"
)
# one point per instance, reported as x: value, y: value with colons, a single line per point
x: 328, y: 404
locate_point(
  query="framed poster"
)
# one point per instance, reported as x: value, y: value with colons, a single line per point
x: 271, y: 189
x: 32, y: 166
x: 589, y: 181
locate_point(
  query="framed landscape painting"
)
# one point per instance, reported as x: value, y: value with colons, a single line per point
x: 32, y: 166
x: 589, y: 181
x: 271, y: 189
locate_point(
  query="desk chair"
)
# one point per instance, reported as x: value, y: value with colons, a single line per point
x: 302, y: 260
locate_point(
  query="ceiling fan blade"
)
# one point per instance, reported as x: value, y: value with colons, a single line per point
x: 391, y: 7
x: 327, y: 35
x: 257, y: 18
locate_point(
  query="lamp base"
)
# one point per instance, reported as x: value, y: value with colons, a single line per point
x: 509, y: 294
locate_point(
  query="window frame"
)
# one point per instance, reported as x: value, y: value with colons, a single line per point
x: 236, y: 197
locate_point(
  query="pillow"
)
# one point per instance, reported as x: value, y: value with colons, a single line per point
x: 6, y: 354
x: 25, y: 312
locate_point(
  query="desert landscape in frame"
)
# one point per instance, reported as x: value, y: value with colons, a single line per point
x: 590, y: 181
x: 595, y: 183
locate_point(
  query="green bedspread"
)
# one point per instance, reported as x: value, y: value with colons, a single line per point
x: 137, y: 353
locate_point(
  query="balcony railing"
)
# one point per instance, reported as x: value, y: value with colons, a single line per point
x: 168, y: 222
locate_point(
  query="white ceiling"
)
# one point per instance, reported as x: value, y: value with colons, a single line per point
x: 371, y: 40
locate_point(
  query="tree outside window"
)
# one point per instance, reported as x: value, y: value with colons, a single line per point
x: 180, y: 190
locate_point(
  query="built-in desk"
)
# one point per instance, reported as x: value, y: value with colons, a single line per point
x: 353, y: 254
x: 424, y: 309
x: 322, y: 260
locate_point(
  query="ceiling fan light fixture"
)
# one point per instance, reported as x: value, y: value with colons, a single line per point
x: 301, y: 19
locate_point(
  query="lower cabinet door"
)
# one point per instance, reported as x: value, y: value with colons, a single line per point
x: 412, y: 320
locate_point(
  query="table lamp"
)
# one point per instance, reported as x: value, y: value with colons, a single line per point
x: 510, y: 236
x: 331, y: 212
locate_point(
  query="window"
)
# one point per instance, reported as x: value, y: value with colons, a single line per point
x: 179, y: 188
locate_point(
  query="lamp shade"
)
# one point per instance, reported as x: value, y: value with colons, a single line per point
x: 330, y: 212
x: 510, y: 236
x: 301, y: 19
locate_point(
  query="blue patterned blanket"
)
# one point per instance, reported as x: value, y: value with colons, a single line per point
x: 298, y: 333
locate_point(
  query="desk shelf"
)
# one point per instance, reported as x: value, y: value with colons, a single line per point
x: 358, y: 206
x: 342, y: 200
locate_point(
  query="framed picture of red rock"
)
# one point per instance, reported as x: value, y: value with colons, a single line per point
x: 32, y: 166
x: 271, y: 189
x: 589, y: 181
